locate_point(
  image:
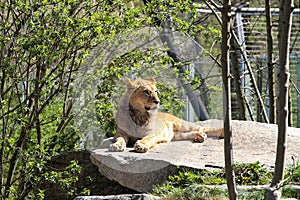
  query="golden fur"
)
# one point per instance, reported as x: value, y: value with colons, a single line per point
x: 139, y: 122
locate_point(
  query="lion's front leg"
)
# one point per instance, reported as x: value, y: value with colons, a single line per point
x: 150, y: 141
x: 141, y: 146
x: 118, y: 145
x: 121, y: 140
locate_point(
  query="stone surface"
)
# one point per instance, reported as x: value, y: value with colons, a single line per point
x: 119, y: 197
x: 252, y: 141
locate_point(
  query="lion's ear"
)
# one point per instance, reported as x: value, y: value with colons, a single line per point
x: 152, y: 80
x: 129, y: 83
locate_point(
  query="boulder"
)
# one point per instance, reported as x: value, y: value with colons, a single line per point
x: 119, y: 197
x: 252, y: 141
x: 88, y: 178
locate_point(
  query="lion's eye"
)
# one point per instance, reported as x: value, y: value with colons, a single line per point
x: 147, y: 92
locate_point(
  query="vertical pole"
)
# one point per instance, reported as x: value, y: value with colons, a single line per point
x: 189, y: 113
x: 245, y: 80
x: 259, y: 85
x: 298, y: 96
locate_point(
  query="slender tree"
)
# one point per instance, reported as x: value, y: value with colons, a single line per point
x: 226, y: 24
x: 252, y: 78
x: 196, y: 101
x: 285, y: 22
x: 271, y: 76
x: 166, y: 37
x: 240, y: 96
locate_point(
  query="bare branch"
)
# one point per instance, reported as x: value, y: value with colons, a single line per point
x: 252, y: 78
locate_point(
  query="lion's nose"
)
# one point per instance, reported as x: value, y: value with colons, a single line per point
x: 156, y: 101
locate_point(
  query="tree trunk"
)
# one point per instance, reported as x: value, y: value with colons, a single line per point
x: 252, y: 78
x: 203, y: 87
x: 270, y: 64
x: 285, y: 22
x: 165, y: 36
x: 226, y: 23
x: 196, y: 102
x: 290, y: 105
x: 237, y: 82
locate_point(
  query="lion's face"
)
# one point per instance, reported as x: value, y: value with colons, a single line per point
x: 145, y: 96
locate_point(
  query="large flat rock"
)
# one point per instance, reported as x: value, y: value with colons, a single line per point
x: 119, y: 197
x: 252, y: 141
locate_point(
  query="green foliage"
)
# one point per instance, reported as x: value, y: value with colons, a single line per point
x: 180, y: 186
x: 185, y: 178
x: 44, y: 45
x: 252, y: 174
x: 54, y: 54
x: 288, y: 192
x: 246, y: 174
x: 171, y: 102
x: 292, y: 174
x: 193, y: 192
x: 196, y: 192
x: 193, y: 184
x: 64, y: 178
x: 296, y: 175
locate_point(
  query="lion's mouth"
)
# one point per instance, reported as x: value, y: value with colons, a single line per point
x: 151, y: 108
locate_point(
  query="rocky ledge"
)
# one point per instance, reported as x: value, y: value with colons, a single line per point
x: 252, y: 141
x: 119, y: 197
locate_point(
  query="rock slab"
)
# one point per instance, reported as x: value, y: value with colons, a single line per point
x: 252, y: 141
x: 119, y: 197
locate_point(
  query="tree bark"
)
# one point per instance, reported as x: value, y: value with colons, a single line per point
x: 196, y: 102
x: 285, y: 22
x: 237, y: 82
x: 290, y: 106
x: 226, y: 23
x: 252, y: 78
x: 270, y: 64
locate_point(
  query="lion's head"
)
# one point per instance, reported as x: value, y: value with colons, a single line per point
x: 145, y: 95
x: 137, y: 106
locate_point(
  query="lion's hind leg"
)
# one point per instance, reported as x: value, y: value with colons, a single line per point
x: 214, y: 132
x: 184, y: 130
x: 196, y: 136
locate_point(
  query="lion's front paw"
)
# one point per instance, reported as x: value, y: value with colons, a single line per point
x: 140, y: 147
x: 221, y: 136
x: 200, y: 137
x: 117, y: 147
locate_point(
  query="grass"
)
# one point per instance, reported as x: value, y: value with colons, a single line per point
x: 193, y: 185
x: 201, y: 192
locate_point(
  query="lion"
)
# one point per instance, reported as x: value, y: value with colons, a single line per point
x: 139, y: 122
